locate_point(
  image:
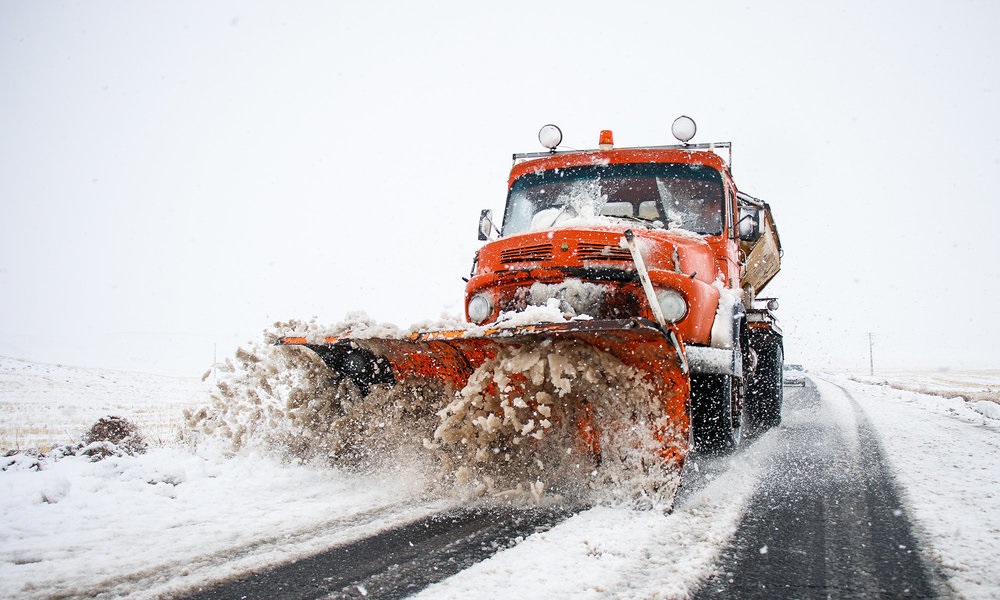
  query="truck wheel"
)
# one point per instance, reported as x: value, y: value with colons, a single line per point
x: 764, y: 390
x: 712, y: 423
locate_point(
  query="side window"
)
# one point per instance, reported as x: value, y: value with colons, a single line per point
x: 731, y: 211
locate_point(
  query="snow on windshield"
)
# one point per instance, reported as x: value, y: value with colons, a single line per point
x: 676, y: 196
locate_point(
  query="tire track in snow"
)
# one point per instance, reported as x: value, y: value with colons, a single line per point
x: 828, y: 520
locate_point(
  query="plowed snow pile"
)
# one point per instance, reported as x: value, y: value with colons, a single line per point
x: 540, y: 417
x: 562, y: 419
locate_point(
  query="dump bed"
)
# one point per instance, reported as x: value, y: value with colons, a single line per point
x: 763, y: 257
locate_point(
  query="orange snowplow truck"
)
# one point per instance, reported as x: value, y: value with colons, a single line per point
x: 649, y: 254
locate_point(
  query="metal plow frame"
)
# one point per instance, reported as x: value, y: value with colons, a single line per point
x: 451, y: 357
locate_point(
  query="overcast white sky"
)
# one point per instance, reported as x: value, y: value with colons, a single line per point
x: 178, y: 175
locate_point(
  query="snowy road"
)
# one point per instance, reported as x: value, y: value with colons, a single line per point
x: 827, y: 520
x: 396, y: 563
x: 824, y: 520
x: 807, y: 510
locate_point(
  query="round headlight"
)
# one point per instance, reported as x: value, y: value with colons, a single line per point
x: 672, y: 305
x: 480, y: 308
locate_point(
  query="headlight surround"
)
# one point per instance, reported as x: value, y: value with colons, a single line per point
x: 480, y: 308
x: 672, y: 304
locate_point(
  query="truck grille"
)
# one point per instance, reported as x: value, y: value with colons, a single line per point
x: 592, y: 251
x: 527, y: 254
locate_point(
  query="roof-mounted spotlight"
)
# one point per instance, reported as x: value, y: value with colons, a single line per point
x: 550, y: 136
x: 683, y: 129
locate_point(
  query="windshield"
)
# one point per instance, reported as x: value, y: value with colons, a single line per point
x: 678, y: 196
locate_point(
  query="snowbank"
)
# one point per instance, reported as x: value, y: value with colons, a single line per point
x: 980, y: 388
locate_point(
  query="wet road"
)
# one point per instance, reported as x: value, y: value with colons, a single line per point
x: 396, y: 563
x: 826, y: 520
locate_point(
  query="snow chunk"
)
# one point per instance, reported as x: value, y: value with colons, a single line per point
x: 550, y: 312
x: 723, y: 327
x: 574, y: 297
x: 986, y: 408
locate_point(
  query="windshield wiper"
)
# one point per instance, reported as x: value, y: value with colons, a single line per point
x: 561, y: 212
x: 648, y: 224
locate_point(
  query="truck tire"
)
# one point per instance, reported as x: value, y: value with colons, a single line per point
x: 714, y: 429
x: 765, y: 392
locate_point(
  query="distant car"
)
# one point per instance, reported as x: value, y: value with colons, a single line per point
x: 795, y: 375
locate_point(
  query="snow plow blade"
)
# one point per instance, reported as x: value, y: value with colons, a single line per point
x: 451, y: 357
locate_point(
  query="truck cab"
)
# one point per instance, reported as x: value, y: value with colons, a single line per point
x: 562, y: 244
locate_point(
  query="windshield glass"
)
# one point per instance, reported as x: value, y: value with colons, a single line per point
x: 679, y: 196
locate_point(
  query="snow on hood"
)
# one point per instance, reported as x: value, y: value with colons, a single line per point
x: 358, y: 325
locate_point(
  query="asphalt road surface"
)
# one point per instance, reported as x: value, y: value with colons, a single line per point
x: 826, y: 520
x: 395, y: 563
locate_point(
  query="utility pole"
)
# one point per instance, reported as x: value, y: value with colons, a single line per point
x: 871, y: 355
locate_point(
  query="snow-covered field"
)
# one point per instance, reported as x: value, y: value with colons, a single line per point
x: 45, y: 405
x: 980, y: 388
x: 158, y: 523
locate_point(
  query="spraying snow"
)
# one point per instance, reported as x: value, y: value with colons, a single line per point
x: 528, y: 420
x: 286, y: 400
x: 514, y: 430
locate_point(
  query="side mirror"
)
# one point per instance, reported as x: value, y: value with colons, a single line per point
x: 749, y: 223
x: 486, y: 225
